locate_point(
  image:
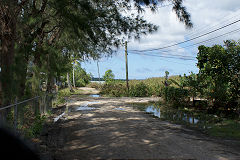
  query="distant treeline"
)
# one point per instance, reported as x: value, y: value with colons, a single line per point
x: 101, y: 79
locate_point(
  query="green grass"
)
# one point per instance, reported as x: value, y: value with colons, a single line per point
x: 213, y: 125
x: 226, y: 129
x: 137, y: 88
x: 35, y: 128
x: 94, y: 85
x: 66, y: 92
x: 63, y: 94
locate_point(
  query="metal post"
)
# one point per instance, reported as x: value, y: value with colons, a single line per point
x: 126, y: 67
x: 98, y: 72
x: 15, y: 119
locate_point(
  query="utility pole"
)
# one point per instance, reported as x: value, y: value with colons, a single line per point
x: 98, y: 72
x: 126, y: 66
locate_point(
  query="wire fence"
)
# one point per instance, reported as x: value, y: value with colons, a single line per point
x: 22, y: 115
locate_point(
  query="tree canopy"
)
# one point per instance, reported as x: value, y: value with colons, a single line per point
x: 39, y: 38
x: 219, y: 72
x: 108, y: 76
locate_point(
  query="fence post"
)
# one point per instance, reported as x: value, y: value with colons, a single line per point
x: 67, y: 108
x: 41, y: 104
x: 44, y: 104
x: 15, y: 119
x: 36, y: 106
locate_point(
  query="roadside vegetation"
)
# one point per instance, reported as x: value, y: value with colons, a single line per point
x: 214, y: 90
x: 63, y: 94
x: 215, y: 87
x: 43, y: 42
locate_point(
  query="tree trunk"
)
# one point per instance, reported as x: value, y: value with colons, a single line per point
x: 7, y: 57
x: 193, y: 101
x: 22, y: 83
x: 0, y: 92
x: 50, y: 84
x: 7, y: 38
x: 21, y: 61
x: 69, y: 83
x: 74, y: 79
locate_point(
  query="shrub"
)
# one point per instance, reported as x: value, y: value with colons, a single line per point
x: 82, y: 78
x: 174, y: 95
x: 138, y: 90
x: 38, y: 125
x: 108, y: 76
x: 95, y: 85
x: 114, y: 89
x: 155, y: 89
x: 63, y: 94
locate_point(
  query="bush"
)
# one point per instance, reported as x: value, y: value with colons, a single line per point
x: 80, y: 83
x: 95, y: 85
x: 63, y: 94
x: 30, y: 123
x: 108, y: 76
x: 155, y: 90
x: 138, y: 90
x: 38, y: 125
x: 174, y: 95
x: 114, y: 89
x: 82, y: 78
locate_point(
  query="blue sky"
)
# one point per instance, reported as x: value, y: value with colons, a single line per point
x: 140, y: 67
x: 206, y: 16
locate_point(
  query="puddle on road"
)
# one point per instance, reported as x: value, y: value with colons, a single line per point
x: 155, y: 111
x: 120, y: 109
x: 168, y: 113
x: 94, y: 95
x: 84, y: 107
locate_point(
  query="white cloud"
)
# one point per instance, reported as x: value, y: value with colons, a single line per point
x: 206, y: 16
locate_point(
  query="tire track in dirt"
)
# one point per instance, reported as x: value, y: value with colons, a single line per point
x: 108, y: 132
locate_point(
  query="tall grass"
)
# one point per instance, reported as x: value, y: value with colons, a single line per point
x: 137, y: 88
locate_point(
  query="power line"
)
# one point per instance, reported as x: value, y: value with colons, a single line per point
x: 231, y: 32
x: 190, y: 39
x: 234, y: 31
x: 186, y: 57
x: 222, y: 20
x: 154, y: 7
x: 167, y: 53
x: 182, y: 58
x: 162, y: 57
x: 206, y: 27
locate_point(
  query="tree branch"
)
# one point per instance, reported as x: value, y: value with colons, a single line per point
x: 44, y: 4
x: 52, y: 29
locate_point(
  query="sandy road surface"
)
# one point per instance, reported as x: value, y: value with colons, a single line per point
x: 114, y: 130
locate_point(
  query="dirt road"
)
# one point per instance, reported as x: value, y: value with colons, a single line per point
x: 112, y: 129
